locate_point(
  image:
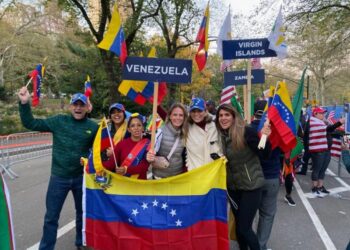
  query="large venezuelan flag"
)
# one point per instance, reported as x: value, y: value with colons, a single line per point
x: 280, y: 113
x: 202, y: 38
x: 188, y: 211
x: 114, y: 40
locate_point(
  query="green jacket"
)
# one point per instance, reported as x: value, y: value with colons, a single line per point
x: 244, y: 170
x: 72, y: 139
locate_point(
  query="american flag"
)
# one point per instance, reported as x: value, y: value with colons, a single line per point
x: 331, y: 116
x: 227, y: 93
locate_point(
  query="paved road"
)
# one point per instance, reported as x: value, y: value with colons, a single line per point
x: 313, y: 224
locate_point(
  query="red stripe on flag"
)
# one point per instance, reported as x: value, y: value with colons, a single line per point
x: 210, y: 235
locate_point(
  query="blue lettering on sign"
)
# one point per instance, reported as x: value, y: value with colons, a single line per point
x: 158, y: 70
x: 248, y: 48
x: 240, y: 77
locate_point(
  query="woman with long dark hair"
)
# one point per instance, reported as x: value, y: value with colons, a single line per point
x: 244, y: 173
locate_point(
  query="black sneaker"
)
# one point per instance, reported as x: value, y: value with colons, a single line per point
x: 323, y: 190
x: 317, y: 193
x: 289, y: 200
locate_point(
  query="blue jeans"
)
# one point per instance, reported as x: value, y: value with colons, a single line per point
x: 56, y: 195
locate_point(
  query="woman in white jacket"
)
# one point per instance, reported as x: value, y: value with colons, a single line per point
x: 201, y: 136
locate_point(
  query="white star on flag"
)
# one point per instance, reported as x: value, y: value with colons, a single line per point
x: 155, y: 203
x: 164, y: 206
x: 173, y: 212
x: 134, y: 212
x: 178, y: 223
x: 144, y: 205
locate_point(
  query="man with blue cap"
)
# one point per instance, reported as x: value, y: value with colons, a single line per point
x: 73, y: 136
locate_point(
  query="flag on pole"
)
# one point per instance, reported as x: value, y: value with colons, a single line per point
x: 124, y: 213
x: 280, y: 113
x: 227, y: 93
x: 237, y: 105
x: 36, y: 75
x: 297, y: 104
x: 87, y: 87
x: 331, y: 116
x: 202, y: 38
x: 114, y: 40
x: 336, y: 147
x: 224, y: 34
x: 277, y: 37
x: 7, y: 238
x: 102, y: 142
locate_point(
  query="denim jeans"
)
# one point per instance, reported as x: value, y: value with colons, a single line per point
x: 57, y: 192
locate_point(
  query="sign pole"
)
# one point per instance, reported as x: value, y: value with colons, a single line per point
x: 154, y: 115
x: 249, y: 91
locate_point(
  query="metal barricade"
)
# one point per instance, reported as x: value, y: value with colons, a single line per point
x: 20, y: 147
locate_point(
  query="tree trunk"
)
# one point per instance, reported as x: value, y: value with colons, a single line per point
x: 109, y: 64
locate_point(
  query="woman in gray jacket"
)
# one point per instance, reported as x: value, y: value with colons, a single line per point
x: 169, y: 159
x: 244, y: 173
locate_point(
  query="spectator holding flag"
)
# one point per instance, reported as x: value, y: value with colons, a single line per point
x: 320, y: 141
x: 130, y: 153
x: 245, y: 177
x: 117, y: 127
x: 73, y: 136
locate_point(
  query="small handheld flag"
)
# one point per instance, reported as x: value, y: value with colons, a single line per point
x: 88, y: 88
x: 36, y: 76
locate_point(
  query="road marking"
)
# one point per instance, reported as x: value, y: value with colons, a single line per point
x: 63, y: 230
x: 314, y: 218
x: 343, y: 183
x: 333, y: 192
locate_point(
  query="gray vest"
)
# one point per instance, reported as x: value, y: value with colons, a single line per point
x: 176, y: 161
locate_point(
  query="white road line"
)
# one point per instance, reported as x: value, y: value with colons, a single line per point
x: 314, y: 218
x: 63, y: 230
x: 343, y: 183
x: 332, y: 191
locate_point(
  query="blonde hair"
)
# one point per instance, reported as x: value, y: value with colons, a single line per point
x: 237, y: 129
x: 184, y: 124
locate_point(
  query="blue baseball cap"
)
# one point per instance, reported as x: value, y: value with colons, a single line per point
x: 197, y: 103
x: 118, y: 106
x: 78, y: 97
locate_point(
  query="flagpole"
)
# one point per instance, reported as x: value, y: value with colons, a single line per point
x: 249, y: 91
x: 111, y: 142
x: 154, y: 115
x: 29, y: 81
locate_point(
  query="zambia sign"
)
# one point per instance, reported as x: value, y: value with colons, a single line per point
x: 248, y: 48
x: 240, y: 77
x: 157, y: 70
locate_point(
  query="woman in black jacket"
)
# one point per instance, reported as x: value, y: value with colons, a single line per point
x: 244, y: 173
